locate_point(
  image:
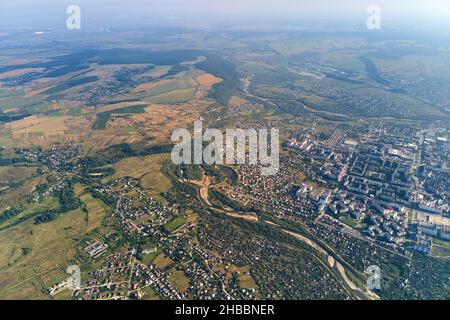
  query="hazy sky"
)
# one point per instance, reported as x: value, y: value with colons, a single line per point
x: 41, y: 12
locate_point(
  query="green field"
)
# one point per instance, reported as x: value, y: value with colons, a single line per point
x: 103, y: 117
x: 34, y: 257
x: 173, y: 97
x: 97, y: 210
x: 175, y: 224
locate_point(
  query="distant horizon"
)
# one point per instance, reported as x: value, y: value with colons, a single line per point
x: 116, y: 13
